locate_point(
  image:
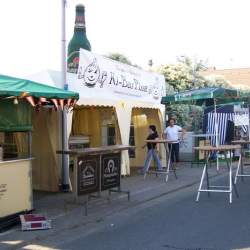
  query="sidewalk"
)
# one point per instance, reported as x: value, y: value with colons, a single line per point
x: 67, y: 216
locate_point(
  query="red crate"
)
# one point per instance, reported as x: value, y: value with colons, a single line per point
x: 34, y: 222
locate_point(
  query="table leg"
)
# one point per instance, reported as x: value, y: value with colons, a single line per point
x: 174, y: 170
x: 241, y: 165
x: 231, y: 181
x: 169, y: 162
x: 217, y: 163
x: 202, y: 179
x: 228, y: 165
x: 237, y: 171
x: 230, y: 184
x: 208, y: 186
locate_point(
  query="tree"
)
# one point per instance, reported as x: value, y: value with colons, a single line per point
x: 186, y: 75
x: 121, y: 58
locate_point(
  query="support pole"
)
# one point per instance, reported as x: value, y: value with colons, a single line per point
x: 65, y: 158
x: 216, y: 134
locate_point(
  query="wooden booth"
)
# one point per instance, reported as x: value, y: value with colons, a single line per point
x: 19, y: 98
x: 115, y: 107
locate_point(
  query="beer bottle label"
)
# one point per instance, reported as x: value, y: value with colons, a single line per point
x: 73, y: 62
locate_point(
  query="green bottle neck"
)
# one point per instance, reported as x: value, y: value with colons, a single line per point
x: 79, y: 33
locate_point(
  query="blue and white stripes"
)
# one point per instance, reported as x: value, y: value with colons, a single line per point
x: 222, y: 119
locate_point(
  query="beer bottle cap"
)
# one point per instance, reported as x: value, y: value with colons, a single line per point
x: 80, y: 7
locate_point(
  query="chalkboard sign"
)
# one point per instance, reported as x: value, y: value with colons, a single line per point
x: 88, y: 174
x: 110, y: 170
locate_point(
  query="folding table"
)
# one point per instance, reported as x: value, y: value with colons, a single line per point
x: 169, y: 162
x: 220, y: 189
x: 241, y: 163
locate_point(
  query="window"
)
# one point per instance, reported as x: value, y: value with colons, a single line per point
x: 14, y: 145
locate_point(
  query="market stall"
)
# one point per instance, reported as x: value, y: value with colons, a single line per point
x: 18, y: 99
x: 206, y: 97
x: 117, y: 103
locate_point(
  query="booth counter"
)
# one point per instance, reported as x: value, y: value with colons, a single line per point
x: 15, y: 187
x: 96, y: 169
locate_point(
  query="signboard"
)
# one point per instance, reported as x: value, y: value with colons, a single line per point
x: 101, y: 77
x: 241, y: 119
x: 241, y: 116
x: 111, y: 170
x: 88, y: 173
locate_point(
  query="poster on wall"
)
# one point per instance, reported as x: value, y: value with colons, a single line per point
x: 88, y: 175
x: 111, y: 169
x: 101, y: 77
x: 241, y: 119
x: 241, y: 116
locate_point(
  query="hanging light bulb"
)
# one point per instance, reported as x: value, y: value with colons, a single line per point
x: 15, y: 101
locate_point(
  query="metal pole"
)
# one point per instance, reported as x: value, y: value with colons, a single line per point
x: 216, y: 134
x: 248, y: 123
x: 65, y: 157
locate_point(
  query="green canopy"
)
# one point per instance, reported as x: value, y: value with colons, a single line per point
x: 17, y: 117
x: 199, y: 96
x: 11, y: 86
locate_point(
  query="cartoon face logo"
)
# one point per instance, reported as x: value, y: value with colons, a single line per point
x: 91, y: 74
x: 156, y: 90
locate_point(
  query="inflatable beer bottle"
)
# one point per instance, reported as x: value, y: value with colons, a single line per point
x: 79, y: 40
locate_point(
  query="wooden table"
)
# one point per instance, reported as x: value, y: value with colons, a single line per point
x: 221, y: 189
x: 95, y: 170
x: 241, y: 162
x: 169, y: 165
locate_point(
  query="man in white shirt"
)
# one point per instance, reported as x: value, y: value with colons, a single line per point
x: 171, y: 133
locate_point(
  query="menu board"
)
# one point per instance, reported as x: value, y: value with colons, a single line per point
x: 110, y: 171
x: 88, y: 174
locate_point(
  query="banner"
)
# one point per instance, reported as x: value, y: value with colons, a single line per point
x: 241, y: 119
x: 101, y: 77
x: 241, y: 116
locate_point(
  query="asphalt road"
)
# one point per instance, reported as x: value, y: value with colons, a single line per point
x: 174, y: 221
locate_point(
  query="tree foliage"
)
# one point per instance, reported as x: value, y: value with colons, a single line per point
x: 186, y: 75
x: 121, y: 58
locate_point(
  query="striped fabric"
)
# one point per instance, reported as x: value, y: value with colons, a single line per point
x: 222, y: 126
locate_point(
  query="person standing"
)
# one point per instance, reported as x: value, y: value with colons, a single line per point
x: 152, y: 150
x: 171, y: 133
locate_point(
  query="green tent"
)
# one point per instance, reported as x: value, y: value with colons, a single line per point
x: 17, y: 117
x: 11, y: 86
x: 199, y: 96
x: 208, y: 96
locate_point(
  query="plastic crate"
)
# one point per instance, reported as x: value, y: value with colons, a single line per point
x: 34, y: 222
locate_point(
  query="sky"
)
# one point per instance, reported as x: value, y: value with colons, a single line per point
x: 213, y: 30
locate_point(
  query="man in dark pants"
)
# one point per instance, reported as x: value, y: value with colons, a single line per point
x: 171, y: 133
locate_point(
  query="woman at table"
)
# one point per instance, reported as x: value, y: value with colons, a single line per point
x: 171, y: 133
x: 152, y: 150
